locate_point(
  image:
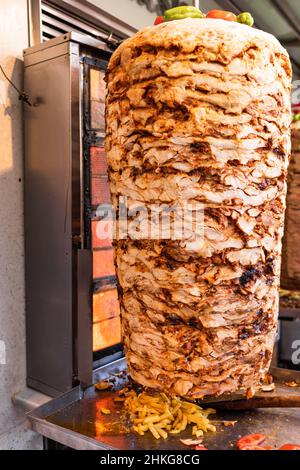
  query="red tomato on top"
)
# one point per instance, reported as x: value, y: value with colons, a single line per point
x: 290, y: 447
x: 252, y: 440
x: 159, y: 20
x: 222, y: 15
x: 200, y: 448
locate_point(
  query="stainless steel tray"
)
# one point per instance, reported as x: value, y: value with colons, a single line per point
x: 75, y: 420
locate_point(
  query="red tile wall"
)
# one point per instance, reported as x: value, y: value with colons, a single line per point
x: 106, y: 333
x: 103, y: 263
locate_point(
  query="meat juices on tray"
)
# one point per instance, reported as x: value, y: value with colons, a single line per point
x: 198, y: 110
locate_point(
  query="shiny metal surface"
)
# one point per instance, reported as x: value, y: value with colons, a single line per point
x: 29, y: 399
x: 48, y: 224
x: 75, y: 420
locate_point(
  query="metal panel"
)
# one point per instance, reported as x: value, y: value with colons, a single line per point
x: 293, y: 42
x: 48, y: 226
x: 94, y: 15
x: 229, y: 5
x: 72, y: 37
x: 47, y: 54
x: 55, y: 17
x: 62, y: 22
x: 48, y: 33
x: 288, y: 14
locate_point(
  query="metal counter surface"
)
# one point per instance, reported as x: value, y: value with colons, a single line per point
x: 75, y: 420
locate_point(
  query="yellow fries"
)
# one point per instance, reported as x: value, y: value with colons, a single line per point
x: 162, y: 433
x: 154, y: 432
x: 163, y: 415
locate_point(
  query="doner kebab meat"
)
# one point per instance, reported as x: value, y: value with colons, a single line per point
x: 198, y: 111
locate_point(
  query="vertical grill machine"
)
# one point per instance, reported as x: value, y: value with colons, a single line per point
x: 72, y: 311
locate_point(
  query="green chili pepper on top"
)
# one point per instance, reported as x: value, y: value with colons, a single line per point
x: 296, y: 117
x: 179, y: 13
x: 246, y: 18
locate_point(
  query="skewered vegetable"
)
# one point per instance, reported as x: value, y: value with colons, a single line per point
x: 159, y: 20
x: 246, y: 18
x: 222, y: 15
x: 179, y: 13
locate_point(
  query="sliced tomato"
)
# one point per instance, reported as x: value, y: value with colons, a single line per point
x: 253, y: 448
x: 290, y: 447
x: 257, y: 448
x: 159, y: 20
x: 200, y: 448
x: 252, y: 440
x: 222, y: 15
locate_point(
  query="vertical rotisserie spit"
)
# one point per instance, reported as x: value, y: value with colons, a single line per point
x: 198, y: 110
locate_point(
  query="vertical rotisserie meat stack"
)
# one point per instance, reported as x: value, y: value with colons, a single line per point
x: 199, y: 110
x: 290, y: 275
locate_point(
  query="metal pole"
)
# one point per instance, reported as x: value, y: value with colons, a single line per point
x: 197, y: 4
x: 34, y: 22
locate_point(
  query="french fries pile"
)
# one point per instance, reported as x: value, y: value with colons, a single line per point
x: 162, y: 415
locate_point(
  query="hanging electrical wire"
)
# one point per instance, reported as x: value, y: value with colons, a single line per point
x: 22, y: 95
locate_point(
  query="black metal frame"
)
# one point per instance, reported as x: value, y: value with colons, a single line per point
x: 94, y: 137
x: 49, y: 444
x: 90, y: 138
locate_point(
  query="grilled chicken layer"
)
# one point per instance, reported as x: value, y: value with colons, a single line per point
x: 199, y: 111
